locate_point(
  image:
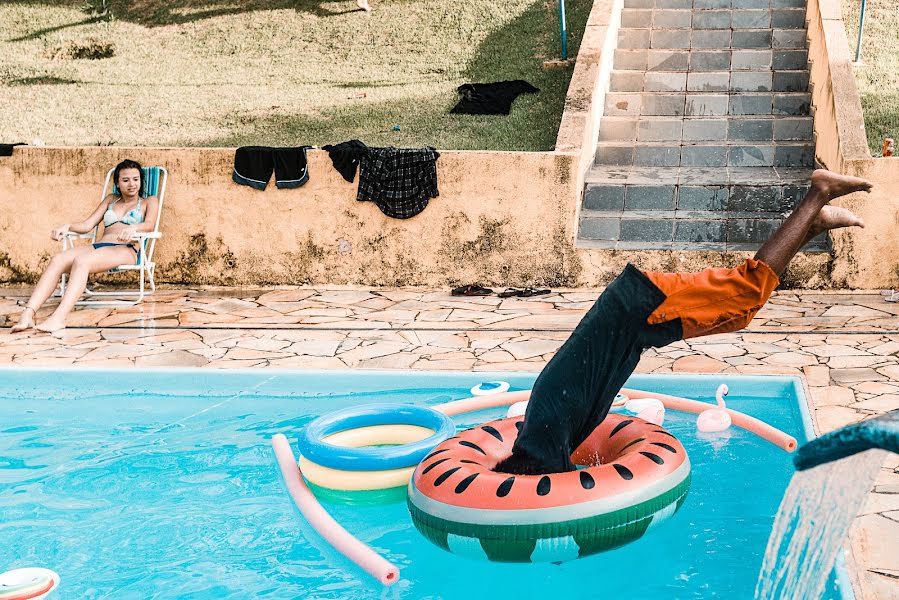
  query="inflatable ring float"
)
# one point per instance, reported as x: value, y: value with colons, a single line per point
x: 636, y: 475
x: 370, y: 447
x: 27, y: 584
x: 487, y: 388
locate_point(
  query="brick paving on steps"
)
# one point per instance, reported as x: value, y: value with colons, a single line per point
x: 844, y: 345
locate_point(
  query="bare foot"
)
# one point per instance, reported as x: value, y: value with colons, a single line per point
x: 26, y: 320
x: 833, y: 185
x: 834, y: 217
x: 51, y: 325
x: 363, y: 4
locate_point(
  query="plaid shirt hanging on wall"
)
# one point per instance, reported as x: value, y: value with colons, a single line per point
x: 399, y: 180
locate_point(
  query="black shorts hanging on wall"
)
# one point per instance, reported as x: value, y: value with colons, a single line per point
x: 253, y: 166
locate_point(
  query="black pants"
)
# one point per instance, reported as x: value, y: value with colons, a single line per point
x: 574, y: 392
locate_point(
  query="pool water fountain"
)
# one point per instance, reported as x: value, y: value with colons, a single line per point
x: 834, y: 475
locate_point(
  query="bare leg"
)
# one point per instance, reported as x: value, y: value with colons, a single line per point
x: 59, y: 264
x: 809, y: 219
x: 363, y: 4
x: 95, y: 261
x: 833, y: 217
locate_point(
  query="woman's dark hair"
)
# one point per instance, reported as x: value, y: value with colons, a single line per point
x: 129, y: 164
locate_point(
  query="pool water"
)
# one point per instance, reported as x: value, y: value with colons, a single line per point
x: 163, y: 484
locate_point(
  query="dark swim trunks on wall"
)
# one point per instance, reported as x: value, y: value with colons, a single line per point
x: 253, y: 166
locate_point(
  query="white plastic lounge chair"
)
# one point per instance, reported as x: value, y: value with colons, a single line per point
x: 155, y: 179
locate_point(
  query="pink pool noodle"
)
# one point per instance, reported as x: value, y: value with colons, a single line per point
x: 342, y: 540
x: 482, y: 402
x: 751, y: 424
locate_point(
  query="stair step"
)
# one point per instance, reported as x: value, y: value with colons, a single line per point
x: 712, y: 39
x: 732, y: 234
x: 711, y: 60
x: 706, y: 154
x: 719, y: 231
x: 741, y: 82
x: 713, y: 4
x: 715, y: 18
x: 750, y: 190
x: 699, y: 175
x: 724, y: 231
x: 691, y: 104
x: 744, y: 103
x: 694, y: 201
x: 818, y: 245
x: 701, y: 129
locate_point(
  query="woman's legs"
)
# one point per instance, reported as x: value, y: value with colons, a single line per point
x: 59, y: 264
x: 94, y: 261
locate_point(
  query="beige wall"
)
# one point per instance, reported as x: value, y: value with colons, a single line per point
x: 864, y: 258
x: 501, y: 218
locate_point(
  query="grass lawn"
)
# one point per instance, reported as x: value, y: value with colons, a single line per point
x: 878, y: 76
x: 278, y: 72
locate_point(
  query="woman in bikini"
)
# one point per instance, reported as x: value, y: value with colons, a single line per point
x: 123, y: 215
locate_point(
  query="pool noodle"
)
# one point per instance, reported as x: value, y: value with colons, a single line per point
x: 342, y: 540
x: 482, y: 402
x: 741, y: 420
x: 751, y: 424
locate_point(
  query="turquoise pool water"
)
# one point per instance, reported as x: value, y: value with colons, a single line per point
x: 163, y: 484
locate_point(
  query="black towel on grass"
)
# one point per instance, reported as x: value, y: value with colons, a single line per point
x: 490, y: 98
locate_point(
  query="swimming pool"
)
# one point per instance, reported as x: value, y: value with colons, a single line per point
x: 162, y: 483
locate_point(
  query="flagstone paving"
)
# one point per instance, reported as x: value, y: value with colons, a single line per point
x: 845, y: 345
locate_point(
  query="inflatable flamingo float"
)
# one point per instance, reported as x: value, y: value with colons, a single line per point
x: 715, y: 419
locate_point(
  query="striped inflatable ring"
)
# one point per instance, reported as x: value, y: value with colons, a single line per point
x: 30, y: 583
x: 638, y: 475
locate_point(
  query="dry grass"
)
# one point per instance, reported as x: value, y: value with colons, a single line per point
x: 277, y: 72
x: 878, y: 76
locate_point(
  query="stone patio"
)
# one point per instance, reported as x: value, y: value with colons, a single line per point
x: 846, y: 346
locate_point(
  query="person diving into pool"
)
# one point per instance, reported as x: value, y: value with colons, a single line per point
x: 639, y: 310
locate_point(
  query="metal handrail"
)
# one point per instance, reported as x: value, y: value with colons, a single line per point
x: 861, y: 29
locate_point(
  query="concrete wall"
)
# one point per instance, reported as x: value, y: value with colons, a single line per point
x: 501, y: 218
x: 864, y: 258
x: 585, y: 100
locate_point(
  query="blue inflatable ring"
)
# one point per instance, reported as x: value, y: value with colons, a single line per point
x: 322, y: 453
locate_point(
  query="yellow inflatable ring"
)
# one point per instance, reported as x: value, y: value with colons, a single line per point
x: 338, y: 479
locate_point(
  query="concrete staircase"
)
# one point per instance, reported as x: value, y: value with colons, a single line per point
x: 707, y: 137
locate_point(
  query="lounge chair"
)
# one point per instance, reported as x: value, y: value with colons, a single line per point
x: 155, y: 179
